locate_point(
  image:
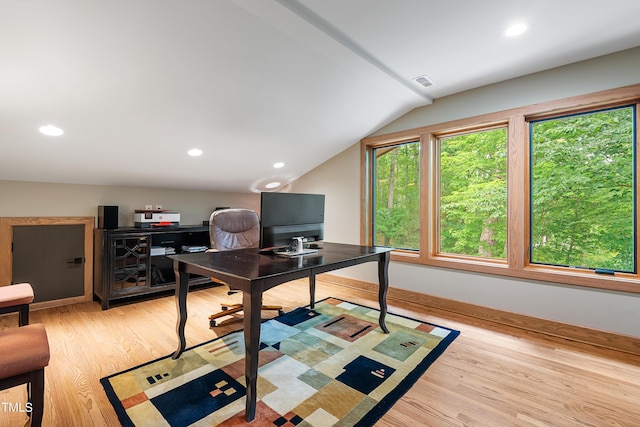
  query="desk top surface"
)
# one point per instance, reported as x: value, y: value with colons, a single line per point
x: 252, y: 265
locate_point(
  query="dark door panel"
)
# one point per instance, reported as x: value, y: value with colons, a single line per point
x: 51, y: 258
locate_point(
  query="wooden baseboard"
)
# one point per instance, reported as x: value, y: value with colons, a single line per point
x: 590, y: 336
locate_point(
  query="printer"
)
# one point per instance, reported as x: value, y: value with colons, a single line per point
x: 150, y: 219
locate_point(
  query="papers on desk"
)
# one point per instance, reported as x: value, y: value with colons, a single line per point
x: 193, y: 249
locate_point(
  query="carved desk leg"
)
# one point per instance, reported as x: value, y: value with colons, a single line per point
x: 383, y: 279
x: 312, y: 290
x: 182, y: 288
x: 252, y: 301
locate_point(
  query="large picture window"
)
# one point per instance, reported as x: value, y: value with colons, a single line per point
x: 582, y: 190
x: 545, y: 192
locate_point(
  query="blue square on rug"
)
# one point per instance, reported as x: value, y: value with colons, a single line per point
x: 198, y: 398
x: 297, y: 316
x: 364, y: 374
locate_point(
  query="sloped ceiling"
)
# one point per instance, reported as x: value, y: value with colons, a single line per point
x: 135, y: 84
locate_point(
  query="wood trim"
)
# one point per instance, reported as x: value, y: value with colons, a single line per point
x: 6, y: 237
x: 6, y: 258
x: 609, y: 340
x: 365, y: 209
x: 428, y: 192
x: 517, y: 192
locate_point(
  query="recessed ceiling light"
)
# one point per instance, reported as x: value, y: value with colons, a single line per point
x: 516, y: 29
x: 51, y: 130
x: 278, y: 165
x: 274, y: 184
x: 195, y: 152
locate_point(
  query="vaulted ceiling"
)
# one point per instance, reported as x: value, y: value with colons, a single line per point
x: 135, y: 84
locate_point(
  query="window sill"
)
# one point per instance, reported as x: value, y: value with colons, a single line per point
x: 623, y: 282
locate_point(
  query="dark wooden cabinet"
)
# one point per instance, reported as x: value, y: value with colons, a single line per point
x: 133, y: 261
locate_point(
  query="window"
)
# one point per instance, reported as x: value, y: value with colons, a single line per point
x: 582, y: 187
x: 473, y: 194
x: 545, y: 192
x: 396, y: 219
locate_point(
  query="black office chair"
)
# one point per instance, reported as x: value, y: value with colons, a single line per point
x: 234, y: 229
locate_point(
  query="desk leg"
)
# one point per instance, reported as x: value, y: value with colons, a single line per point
x: 252, y: 302
x: 182, y: 288
x: 383, y: 279
x: 312, y: 291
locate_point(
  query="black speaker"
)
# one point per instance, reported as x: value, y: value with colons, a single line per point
x: 108, y: 217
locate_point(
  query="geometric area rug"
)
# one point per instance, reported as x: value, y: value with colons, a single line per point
x: 330, y: 366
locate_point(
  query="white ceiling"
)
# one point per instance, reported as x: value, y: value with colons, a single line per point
x: 137, y: 83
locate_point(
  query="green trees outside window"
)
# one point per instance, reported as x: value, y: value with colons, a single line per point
x: 473, y: 194
x: 582, y: 190
x: 396, y: 190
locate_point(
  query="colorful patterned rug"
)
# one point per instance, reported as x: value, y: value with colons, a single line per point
x: 330, y: 366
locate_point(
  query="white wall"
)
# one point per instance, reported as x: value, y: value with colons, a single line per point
x: 339, y: 179
x: 23, y: 199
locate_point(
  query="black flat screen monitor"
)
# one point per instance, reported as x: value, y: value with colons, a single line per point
x: 284, y: 216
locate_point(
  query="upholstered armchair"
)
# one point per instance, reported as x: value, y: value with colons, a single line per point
x: 25, y: 350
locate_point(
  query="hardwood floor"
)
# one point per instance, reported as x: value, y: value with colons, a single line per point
x: 491, y: 375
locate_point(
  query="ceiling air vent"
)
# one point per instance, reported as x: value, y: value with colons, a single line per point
x: 424, y: 81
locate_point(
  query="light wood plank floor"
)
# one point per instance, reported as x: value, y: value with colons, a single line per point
x: 491, y: 375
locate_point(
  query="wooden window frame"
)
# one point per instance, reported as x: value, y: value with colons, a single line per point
x: 517, y: 120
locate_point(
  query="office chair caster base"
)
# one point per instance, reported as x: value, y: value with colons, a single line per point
x: 226, y: 306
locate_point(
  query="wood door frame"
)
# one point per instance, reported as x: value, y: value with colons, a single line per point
x: 6, y: 255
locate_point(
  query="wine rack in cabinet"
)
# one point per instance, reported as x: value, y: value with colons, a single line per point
x: 131, y: 262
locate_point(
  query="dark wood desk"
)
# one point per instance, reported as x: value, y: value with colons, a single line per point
x: 252, y: 273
